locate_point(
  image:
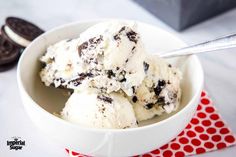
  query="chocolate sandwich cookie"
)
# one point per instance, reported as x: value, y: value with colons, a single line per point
x: 20, y: 32
x: 8, y: 66
x: 9, y: 54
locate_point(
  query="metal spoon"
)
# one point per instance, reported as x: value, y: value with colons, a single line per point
x: 212, y: 45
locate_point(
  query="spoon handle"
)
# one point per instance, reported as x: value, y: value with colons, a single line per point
x: 212, y: 45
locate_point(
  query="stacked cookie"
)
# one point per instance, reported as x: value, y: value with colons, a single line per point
x: 15, y: 35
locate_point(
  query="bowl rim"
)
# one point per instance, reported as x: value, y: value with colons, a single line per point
x: 102, y: 130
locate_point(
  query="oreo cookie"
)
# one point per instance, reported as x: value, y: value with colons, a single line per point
x: 9, y: 54
x: 20, y: 32
x: 8, y: 66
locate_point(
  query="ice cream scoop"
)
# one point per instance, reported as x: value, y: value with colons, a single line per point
x: 108, y: 56
x: 99, y: 110
x: 114, y: 51
x: 160, y: 90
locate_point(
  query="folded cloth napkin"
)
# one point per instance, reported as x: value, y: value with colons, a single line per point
x: 206, y: 132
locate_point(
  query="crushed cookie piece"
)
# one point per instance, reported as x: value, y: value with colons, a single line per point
x: 117, y: 37
x: 44, y: 65
x: 105, y: 98
x: 160, y: 85
x: 161, y: 101
x: 86, y: 75
x: 76, y: 82
x: 132, y: 36
x: 82, y: 47
x: 149, y: 106
x: 122, y: 29
x: 133, y: 89
x: 134, y: 99
x: 91, y: 40
x: 169, y: 65
x: 110, y: 74
x: 145, y: 67
x: 96, y: 40
x: 123, y: 80
x: 91, y: 44
x: 60, y: 79
x: 82, y: 76
x: 102, y: 89
x: 133, y: 48
x: 161, y: 82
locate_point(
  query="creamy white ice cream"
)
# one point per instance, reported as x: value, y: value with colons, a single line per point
x: 109, y: 52
x: 119, y: 54
x: 160, y: 90
x: 116, y: 83
x: 99, y: 110
x: 61, y: 63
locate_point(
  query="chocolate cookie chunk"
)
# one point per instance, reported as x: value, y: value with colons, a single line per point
x: 9, y: 53
x: 20, y: 32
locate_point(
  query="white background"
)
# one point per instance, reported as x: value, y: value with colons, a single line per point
x: 220, y: 68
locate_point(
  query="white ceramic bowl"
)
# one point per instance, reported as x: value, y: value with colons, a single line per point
x: 40, y: 101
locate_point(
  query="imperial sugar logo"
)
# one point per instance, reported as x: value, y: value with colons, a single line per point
x: 16, y: 143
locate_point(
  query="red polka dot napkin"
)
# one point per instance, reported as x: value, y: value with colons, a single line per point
x: 206, y: 132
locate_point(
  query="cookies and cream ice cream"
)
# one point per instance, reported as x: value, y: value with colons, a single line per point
x: 109, y: 60
x: 107, y: 56
x: 99, y: 110
x: 61, y: 63
x: 160, y: 90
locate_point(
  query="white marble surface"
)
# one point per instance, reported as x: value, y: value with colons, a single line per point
x: 220, y: 68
